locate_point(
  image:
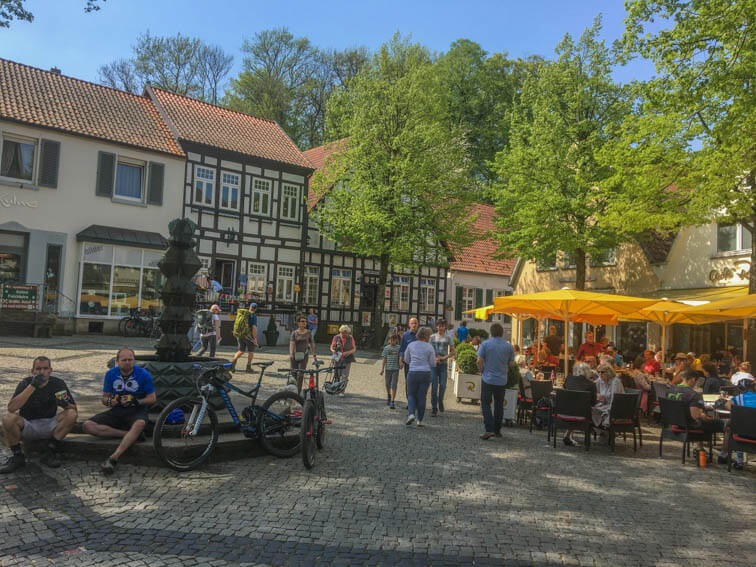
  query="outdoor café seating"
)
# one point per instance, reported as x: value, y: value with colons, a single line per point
x: 524, y: 403
x: 742, y: 435
x: 677, y: 424
x: 572, y: 410
x: 623, y: 417
x: 540, y: 390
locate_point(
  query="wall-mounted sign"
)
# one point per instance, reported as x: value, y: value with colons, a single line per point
x: 18, y: 296
x: 738, y: 271
x: 8, y: 200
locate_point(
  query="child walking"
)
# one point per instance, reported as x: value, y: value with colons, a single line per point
x: 390, y: 366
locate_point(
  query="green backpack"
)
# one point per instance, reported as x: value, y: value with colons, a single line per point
x: 241, y: 324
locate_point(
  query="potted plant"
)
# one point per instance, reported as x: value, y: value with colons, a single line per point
x: 467, y: 378
x: 271, y: 332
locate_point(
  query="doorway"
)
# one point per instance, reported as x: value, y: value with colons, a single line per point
x: 224, y: 274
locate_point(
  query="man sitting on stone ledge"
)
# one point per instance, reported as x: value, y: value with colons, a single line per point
x: 32, y: 415
x: 127, y: 391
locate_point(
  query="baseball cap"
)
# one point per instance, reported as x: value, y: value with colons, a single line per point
x: 253, y: 305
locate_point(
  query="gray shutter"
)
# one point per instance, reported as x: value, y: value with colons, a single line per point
x: 49, y: 160
x: 458, y: 304
x: 489, y: 300
x: 106, y: 163
x: 155, y: 184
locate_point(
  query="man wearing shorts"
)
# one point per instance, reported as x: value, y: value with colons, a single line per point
x: 33, y: 414
x: 127, y: 391
x: 247, y: 344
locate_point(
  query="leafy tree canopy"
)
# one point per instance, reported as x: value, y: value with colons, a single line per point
x: 550, y: 198
x: 16, y: 10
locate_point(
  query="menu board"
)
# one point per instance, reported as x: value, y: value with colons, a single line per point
x: 18, y: 296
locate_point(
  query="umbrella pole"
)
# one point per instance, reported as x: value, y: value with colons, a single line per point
x: 745, y: 340
x: 663, y: 344
x: 566, y: 348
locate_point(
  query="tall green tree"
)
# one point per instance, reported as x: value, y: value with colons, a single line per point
x: 550, y: 199
x: 16, y: 10
x: 690, y: 145
x: 396, y: 188
x: 180, y: 64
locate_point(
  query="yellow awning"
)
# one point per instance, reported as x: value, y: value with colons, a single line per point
x: 703, y: 293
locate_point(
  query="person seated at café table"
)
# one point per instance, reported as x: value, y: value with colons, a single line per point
x: 590, y: 347
x: 607, y: 385
x: 695, y: 362
x: 582, y: 380
x: 546, y: 357
x: 526, y: 375
x: 746, y: 399
x: 641, y: 381
x: 650, y: 364
x: 712, y: 384
x: 743, y: 373
x: 682, y: 362
x: 684, y: 391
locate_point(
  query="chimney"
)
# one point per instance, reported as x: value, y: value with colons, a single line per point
x: 55, y: 71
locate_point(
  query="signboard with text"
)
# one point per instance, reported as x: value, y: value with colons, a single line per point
x: 18, y: 296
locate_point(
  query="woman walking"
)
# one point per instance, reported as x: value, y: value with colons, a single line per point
x: 419, y: 357
x: 343, y: 347
x: 300, y: 343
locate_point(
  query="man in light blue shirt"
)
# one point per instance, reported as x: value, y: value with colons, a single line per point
x: 494, y: 357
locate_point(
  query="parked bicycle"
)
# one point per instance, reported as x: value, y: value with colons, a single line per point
x: 314, y: 419
x: 140, y: 323
x: 366, y: 337
x: 186, y: 432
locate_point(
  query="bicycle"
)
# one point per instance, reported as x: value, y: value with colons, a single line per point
x: 314, y: 419
x: 186, y: 431
x: 366, y: 337
x: 140, y: 323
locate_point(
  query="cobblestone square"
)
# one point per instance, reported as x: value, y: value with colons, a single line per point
x: 381, y: 493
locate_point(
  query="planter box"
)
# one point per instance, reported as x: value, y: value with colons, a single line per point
x: 467, y: 386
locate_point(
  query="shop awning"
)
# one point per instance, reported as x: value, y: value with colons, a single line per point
x: 122, y: 236
x: 703, y: 293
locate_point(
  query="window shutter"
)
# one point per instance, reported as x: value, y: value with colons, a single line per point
x: 105, y: 174
x: 478, y: 297
x: 155, y: 184
x: 48, y: 164
x: 458, y: 304
x: 489, y: 300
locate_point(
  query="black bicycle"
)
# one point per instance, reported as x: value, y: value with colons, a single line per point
x: 186, y: 432
x: 140, y: 323
x: 314, y: 419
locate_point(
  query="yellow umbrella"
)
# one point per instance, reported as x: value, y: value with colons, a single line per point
x: 743, y: 307
x: 572, y: 305
x: 666, y: 313
x: 481, y: 313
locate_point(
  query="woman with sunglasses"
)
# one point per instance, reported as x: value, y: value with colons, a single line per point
x: 300, y: 343
x: 607, y: 385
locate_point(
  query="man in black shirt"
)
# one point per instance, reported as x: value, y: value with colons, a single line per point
x: 33, y: 414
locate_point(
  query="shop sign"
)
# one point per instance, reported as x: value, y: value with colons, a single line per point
x: 19, y: 296
x: 739, y: 271
x: 8, y: 200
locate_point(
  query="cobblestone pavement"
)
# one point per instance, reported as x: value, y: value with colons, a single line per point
x: 381, y: 493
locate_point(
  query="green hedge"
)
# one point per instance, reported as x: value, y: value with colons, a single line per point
x: 467, y: 359
x: 482, y: 333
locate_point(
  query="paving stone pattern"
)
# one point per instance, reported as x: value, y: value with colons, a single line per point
x: 381, y: 493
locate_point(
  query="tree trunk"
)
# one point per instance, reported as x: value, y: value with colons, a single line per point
x: 580, y: 269
x: 380, y: 301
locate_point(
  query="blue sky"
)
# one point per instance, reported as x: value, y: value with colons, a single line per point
x: 62, y: 35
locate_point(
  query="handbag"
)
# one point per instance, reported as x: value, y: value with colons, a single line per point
x: 299, y: 356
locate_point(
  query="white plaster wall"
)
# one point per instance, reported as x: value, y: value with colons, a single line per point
x: 73, y: 206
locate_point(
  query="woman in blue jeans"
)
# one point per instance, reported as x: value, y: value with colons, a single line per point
x: 419, y: 357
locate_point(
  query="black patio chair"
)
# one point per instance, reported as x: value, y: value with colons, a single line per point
x: 677, y: 424
x: 623, y: 417
x: 742, y: 432
x: 660, y: 390
x: 541, y: 406
x: 524, y: 403
x: 637, y: 413
x: 572, y: 410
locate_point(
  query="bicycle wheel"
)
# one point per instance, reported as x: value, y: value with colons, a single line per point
x: 320, y: 427
x: 122, y: 325
x: 132, y: 328
x: 173, y: 440
x: 307, y: 434
x: 155, y: 331
x: 280, y: 424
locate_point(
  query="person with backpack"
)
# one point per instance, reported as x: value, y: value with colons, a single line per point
x: 208, y: 323
x: 245, y: 331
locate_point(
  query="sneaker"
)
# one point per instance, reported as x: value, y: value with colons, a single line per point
x: 568, y: 441
x: 737, y: 466
x: 434, y: 412
x: 248, y: 369
x: 108, y: 467
x: 13, y: 463
x: 341, y: 394
x: 392, y: 405
x: 410, y: 420
x: 388, y: 401
x: 420, y: 423
x: 50, y: 459
x: 440, y: 406
x: 486, y: 436
x: 497, y: 433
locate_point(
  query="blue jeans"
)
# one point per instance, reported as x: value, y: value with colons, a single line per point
x: 492, y: 394
x: 438, y: 384
x: 417, y: 390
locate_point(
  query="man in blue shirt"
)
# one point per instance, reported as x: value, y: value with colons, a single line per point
x: 494, y: 357
x: 463, y: 332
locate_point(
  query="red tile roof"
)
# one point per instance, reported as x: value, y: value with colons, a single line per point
x: 211, y: 125
x: 480, y: 256
x: 42, y: 98
x: 318, y: 157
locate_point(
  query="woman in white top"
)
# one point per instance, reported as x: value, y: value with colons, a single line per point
x: 419, y: 357
x: 606, y: 386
